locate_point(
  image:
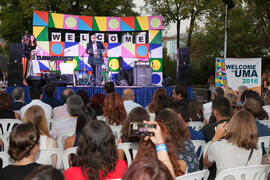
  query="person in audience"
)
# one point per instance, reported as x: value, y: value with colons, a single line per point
x: 240, y: 143
x: 222, y: 111
x: 128, y: 100
x: 210, y: 86
x: 217, y: 92
x: 239, y: 93
x: 5, y: 104
x: 61, y: 112
x: 36, y: 116
x: 96, y: 155
x: 253, y: 105
x: 138, y: 114
x: 266, y: 100
x: 36, y: 96
x: 44, y: 173
x: 181, y: 108
x: 147, y: 168
x: 265, y: 85
x: 262, y: 114
x: 195, y: 109
x: 163, y: 101
x: 50, y: 90
x: 23, y: 147
x: 108, y: 88
x: 18, y: 97
x: 86, y: 115
x: 180, y: 92
x: 114, y: 110
x: 97, y: 102
x: 184, y: 148
x: 74, y: 106
x: 161, y: 146
x: 152, y: 106
x: 228, y: 90
x: 233, y: 101
x: 85, y: 97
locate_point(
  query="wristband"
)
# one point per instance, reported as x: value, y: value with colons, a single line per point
x: 161, y: 147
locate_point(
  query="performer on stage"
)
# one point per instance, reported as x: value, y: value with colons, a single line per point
x: 32, y: 46
x: 95, y: 50
x: 26, y: 52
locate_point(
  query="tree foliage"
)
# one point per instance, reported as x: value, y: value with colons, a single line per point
x: 16, y: 15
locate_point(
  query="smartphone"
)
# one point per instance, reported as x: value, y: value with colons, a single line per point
x: 140, y: 129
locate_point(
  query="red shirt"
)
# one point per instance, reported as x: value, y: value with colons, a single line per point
x: 76, y: 172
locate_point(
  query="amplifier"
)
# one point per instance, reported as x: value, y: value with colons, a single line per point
x: 59, y: 80
x: 142, y: 76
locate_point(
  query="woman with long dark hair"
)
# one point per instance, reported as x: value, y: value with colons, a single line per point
x: 114, y: 110
x: 96, y: 155
x: 26, y: 53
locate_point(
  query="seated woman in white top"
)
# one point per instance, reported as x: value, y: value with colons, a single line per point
x: 36, y: 116
x: 241, y: 138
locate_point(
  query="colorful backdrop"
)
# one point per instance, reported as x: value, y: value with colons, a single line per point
x: 151, y: 52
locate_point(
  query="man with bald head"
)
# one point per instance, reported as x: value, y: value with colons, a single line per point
x: 128, y: 100
x: 61, y: 112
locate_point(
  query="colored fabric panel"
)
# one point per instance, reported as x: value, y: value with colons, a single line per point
x: 85, y: 23
x: 43, y: 48
x: 157, y: 78
x: 71, y: 49
x: 41, y: 33
x: 40, y: 18
x: 57, y: 20
x: 57, y: 48
x: 155, y: 37
x: 156, y: 64
x: 155, y: 50
x: 113, y: 64
x: 143, y: 22
x: 113, y: 24
x: 70, y: 22
x: 141, y: 50
x: 100, y: 23
x: 128, y: 50
x: 155, y: 22
x: 127, y: 23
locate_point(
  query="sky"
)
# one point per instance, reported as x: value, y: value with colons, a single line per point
x: 171, y: 30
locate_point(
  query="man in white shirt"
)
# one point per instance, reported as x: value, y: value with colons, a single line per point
x: 74, y: 106
x: 61, y: 112
x: 128, y: 98
x: 36, y: 96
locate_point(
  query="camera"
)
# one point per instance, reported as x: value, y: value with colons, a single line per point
x: 140, y: 129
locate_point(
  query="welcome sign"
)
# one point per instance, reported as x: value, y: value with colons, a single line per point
x: 234, y: 72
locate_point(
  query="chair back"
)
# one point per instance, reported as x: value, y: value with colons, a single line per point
x: 128, y: 148
x: 5, y: 142
x: 152, y: 116
x: 61, y: 138
x: 50, y: 122
x: 66, y: 154
x: 196, y: 125
x: 6, y: 125
x: 116, y: 131
x: 101, y: 118
x: 265, y: 122
x: 45, y: 154
x: 5, y: 159
x: 199, y: 147
x: 264, y: 141
x: 258, y: 172
x: 199, y: 175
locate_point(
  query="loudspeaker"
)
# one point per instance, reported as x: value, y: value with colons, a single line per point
x: 184, y: 74
x: 15, y: 52
x: 183, y: 56
x: 15, y: 74
x: 59, y: 80
x: 142, y: 76
x: 127, y: 76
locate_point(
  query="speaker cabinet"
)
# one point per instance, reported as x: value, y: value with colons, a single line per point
x: 183, y: 58
x: 15, y: 74
x: 15, y: 52
x: 184, y: 74
x: 142, y: 76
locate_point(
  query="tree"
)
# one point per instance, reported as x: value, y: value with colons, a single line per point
x: 16, y: 15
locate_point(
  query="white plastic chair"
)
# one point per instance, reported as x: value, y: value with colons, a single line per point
x: 258, y: 172
x: 61, y: 138
x: 68, y: 68
x: 101, y: 118
x: 66, y: 154
x: 152, y: 116
x: 5, y: 141
x: 5, y: 159
x: 50, y: 122
x: 265, y: 122
x: 126, y: 147
x: 45, y: 154
x: 199, y: 175
x: 199, y: 147
x: 196, y: 125
x: 116, y: 131
x: 8, y: 124
x: 264, y: 141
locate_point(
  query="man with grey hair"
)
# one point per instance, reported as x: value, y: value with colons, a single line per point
x: 74, y: 106
x: 61, y: 112
x: 217, y: 92
x: 128, y: 98
x: 18, y: 97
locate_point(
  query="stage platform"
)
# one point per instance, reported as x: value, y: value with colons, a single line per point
x: 143, y: 94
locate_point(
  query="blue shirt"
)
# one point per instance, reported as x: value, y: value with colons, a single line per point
x: 262, y: 129
x: 195, y: 135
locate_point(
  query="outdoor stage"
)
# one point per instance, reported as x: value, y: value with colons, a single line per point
x: 143, y: 94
